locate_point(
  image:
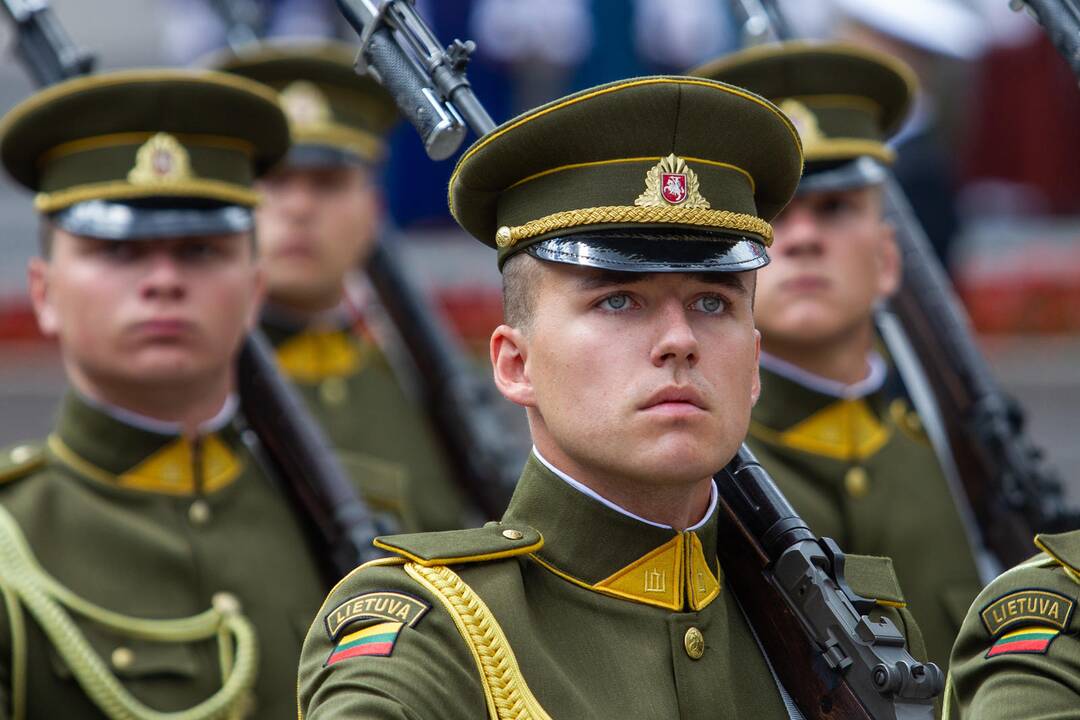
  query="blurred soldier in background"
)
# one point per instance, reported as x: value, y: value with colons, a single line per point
x: 318, y: 222
x: 850, y: 456
x: 137, y: 546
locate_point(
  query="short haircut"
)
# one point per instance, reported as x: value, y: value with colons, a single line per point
x: 45, y: 238
x: 520, y: 278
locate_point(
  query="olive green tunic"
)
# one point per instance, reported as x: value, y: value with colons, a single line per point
x: 565, y: 609
x: 1018, y: 654
x: 861, y: 472
x: 149, y: 525
x: 351, y: 389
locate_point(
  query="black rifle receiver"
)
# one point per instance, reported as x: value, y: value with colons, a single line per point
x: 338, y: 524
x: 43, y: 45
x: 429, y: 85
x: 791, y: 586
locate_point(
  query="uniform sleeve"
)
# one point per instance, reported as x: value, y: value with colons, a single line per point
x: 386, y: 664
x: 1027, y: 671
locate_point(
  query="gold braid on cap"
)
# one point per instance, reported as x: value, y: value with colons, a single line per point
x: 610, y: 214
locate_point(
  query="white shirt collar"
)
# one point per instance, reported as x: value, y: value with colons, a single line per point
x: 586, y: 490
x: 875, y: 377
x: 165, y: 427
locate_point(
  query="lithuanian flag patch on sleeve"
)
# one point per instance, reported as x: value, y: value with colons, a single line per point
x: 374, y: 640
x: 1034, y: 640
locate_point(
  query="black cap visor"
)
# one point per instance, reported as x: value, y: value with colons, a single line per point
x: 844, y: 175
x: 690, y: 251
x: 148, y: 220
x: 305, y: 156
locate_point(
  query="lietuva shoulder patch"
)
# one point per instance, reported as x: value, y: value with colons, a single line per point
x: 378, y: 606
x: 1064, y: 548
x: 494, y: 541
x: 874, y: 577
x: 19, y: 461
x: 1026, y: 607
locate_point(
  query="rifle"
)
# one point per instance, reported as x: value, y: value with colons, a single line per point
x: 1000, y: 479
x: 860, y: 665
x: 45, y: 48
x: 1061, y: 21
x: 336, y: 521
x: 791, y: 586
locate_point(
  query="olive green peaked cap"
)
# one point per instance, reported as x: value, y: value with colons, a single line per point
x: 845, y: 100
x: 632, y: 175
x: 144, y: 133
x: 330, y: 107
x: 109, y: 154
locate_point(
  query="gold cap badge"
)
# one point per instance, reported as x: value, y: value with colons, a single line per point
x: 305, y: 104
x: 161, y: 160
x: 804, y: 120
x: 671, y: 182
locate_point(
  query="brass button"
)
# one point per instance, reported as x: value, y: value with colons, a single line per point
x: 334, y: 391
x: 225, y: 603
x: 857, y: 482
x: 21, y: 454
x: 513, y: 534
x: 122, y: 658
x: 694, y: 642
x: 199, y: 512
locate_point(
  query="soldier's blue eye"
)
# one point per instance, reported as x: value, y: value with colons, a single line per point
x: 710, y: 304
x: 615, y: 302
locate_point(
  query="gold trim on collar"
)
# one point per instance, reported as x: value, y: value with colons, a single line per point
x: 669, y: 214
x: 169, y: 471
x: 672, y: 576
x: 316, y: 355
x: 844, y: 430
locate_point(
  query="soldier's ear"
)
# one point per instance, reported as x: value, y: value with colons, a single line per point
x: 755, y: 382
x: 37, y: 276
x: 509, y: 351
x: 889, y: 269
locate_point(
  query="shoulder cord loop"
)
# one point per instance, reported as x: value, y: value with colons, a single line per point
x: 23, y: 580
x: 508, y: 695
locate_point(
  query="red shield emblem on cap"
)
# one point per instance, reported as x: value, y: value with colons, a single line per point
x: 673, y: 187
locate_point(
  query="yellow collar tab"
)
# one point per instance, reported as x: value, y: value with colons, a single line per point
x: 316, y: 355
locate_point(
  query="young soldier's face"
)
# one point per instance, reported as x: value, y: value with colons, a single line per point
x: 833, y: 259
x: 147, y: 312
x: 642, y: 377
x: 316, y: 225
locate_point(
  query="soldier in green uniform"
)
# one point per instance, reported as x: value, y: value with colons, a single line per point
x: 136, y: 543
x: 318, y: 223
x: 1018, y: 653
x: 628, y: 234
x: 850, y: 456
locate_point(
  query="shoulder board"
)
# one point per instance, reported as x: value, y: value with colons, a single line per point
x: 874, y: 577
x: 19, y: 461
x: 1063, y: 548
x: 494, y: 541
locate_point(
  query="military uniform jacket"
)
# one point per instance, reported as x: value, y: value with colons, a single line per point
x: 566, y: 609
x: 351, y: 389
x: 861, y: 472
x: 1018, y: 654
x: 152, y: 526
